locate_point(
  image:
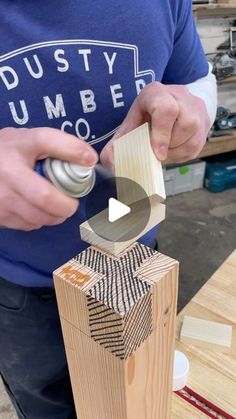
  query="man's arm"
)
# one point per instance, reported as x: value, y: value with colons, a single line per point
x: 181, y: 109
x: 206, y: 89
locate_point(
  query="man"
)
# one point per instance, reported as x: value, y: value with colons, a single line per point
x: 71, y: 73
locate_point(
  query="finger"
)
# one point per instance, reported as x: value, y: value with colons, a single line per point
x: 18, y: 223
x: 107, y: 156
x: 40, y: 193
x: 185, y: 127
x: 162, y: 124
x: 33, y: 215
x: 155, y: 105
x: 162, y: 109
x: 60, y: 145
x: 133, y: 119
x: 187, y: 151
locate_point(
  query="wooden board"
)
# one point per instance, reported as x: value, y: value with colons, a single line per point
x: 221, y: 7
x: 230, y: 79
x: 206, y: 333
x: 217, y: 145
x: 112, y: 240
x: 223, y: 2
x: 135, y: 161
x: 212, y: 373
x: 118, y: 320
x: 117, y: 305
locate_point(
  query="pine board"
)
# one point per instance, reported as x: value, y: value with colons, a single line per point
x: 212, y: 373
x: 118, y: 321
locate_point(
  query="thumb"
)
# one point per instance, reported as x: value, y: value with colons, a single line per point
x: 133, y: 119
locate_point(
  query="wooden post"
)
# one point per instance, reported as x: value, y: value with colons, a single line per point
x: 118, y: 321
x: 117, y: 302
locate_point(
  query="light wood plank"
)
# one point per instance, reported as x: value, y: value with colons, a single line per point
x: 214, y: 8
x: 216, y: 146
x: 212, y: 372
x: 118, y: 319
x: 134, y: 160
x: 183, y: 410
x: 110, y: 238
x: 206, y: 333
x: 117, y: 302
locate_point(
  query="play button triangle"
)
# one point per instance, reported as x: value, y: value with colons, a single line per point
x: 117, y: 210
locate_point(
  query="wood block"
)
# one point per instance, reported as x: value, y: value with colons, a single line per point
x: 112, y: 239
x: 134, y: 160
x: 227, y: 2
x: 205, y: 333
x: 118, y: 321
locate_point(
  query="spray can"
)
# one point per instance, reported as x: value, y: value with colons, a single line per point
x: 74, y: 180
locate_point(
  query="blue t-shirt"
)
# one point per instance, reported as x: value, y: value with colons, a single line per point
x: 78, y: 66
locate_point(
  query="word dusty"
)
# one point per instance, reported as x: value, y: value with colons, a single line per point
x: 40, y: 68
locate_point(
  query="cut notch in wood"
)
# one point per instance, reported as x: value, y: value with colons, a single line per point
x: 136, y: 161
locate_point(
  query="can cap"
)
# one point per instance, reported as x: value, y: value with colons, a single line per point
x: 181, y: 371
x: 74, y: 180
x: 80, y: 171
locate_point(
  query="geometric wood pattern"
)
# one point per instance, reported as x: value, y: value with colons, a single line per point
x: 118, y: 321
x: 117, y: 301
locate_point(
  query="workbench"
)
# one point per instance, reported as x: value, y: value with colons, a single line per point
x: 212, y: 379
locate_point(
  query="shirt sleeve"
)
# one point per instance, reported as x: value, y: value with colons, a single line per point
x: 187, y: 62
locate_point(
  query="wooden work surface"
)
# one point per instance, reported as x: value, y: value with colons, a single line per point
x: 212, y: 373
x: 216, y: 145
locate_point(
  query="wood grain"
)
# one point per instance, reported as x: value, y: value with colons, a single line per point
x: 221, y: 145
x: 212, y: 373
x: 183, y: 410
x: 119, y: 331
x: 117, y: 301
x: 205, y: 333
x: 111, y: 240
x: 134, y: 160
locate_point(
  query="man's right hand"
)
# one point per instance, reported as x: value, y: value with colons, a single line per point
x: 27, y: 200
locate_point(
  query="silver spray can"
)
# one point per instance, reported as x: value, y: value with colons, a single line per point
x: 72, y: 179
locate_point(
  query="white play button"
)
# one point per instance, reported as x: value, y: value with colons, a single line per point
x: 121, y: 220
x: 117, y: 210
